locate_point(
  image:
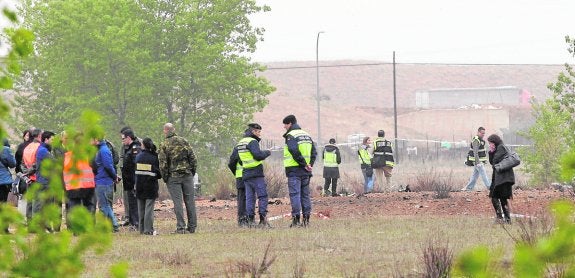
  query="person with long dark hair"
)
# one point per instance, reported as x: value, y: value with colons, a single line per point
x: 147, y: 176
x: 502, y: 181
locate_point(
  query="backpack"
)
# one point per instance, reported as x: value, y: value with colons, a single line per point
x: 115, y: 155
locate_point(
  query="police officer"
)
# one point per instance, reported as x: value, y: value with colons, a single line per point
x: 234, y: 164
x: 251, y: 156
x: 382, y: 160
x: 299, y: 156
x: 331, y: 161
x: 178, y: 167
x: 132, y: 148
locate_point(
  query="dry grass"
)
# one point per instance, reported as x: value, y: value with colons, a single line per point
x: 254, y: 269
x: 354, y: 247
x: 530, y: 229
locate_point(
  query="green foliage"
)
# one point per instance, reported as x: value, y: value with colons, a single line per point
x: 530, y: 260
x: 145, y: 63
x: 32, y: 250
x: 35, y: 250
x: 20, y: 43
x: 552, y: 133
x: 549, y: 135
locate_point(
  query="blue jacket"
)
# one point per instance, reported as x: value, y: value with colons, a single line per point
x: 8, y: 161
x: 42, y: 154
x: 292, y: 145
x: 257, y: 153
x: 105, y: 170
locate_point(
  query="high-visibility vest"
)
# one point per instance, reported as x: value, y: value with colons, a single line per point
x: 382, y: 147
x: 364, y: 157
x: 246, y: 156
x: 81, y: 177
x: 239, y: 171
x: 304, y: 145
x: 29, y: 157
x: 330, y: 158
x: 481, y: 153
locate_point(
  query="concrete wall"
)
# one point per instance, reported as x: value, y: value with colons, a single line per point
x: 454, y: 124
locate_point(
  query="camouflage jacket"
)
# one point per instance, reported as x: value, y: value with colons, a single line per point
x: 176, y: 157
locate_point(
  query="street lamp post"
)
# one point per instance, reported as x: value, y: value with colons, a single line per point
x: 317, y: 87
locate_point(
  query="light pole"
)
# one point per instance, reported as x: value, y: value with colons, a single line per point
x: 317, y: 87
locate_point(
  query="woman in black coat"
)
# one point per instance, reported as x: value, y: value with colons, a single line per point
x: 147, y: 175
x: 502, y: 181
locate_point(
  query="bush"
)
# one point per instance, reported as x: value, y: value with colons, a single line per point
x: 426, y: 180
x: 437, y: 258
x: 443, y: 187
x: 276, y: 180
x: 549, y: 256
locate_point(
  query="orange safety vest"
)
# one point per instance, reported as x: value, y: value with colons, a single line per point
x: 74, y: 179
x: 29, y: 157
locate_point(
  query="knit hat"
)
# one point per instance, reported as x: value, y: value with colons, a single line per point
x: 332, y: 141
x: 290, y: 119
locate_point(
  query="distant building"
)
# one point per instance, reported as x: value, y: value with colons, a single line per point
x: 471, y: 97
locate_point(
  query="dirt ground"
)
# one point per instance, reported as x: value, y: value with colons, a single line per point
x: 474, y: 203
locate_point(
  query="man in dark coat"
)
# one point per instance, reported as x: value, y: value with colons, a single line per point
x: 251, y: 156
x: 133, y: 148
x: 331, y: 160
x: 299, y: 158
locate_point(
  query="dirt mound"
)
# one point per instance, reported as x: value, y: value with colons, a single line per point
x: 475, y: 203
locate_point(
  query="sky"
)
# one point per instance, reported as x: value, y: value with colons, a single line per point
x: 419, y: 31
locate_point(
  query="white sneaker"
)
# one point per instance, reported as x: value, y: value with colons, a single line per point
x: 463, y: 189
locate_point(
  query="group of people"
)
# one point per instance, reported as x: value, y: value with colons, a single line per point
x: 502, y: 180
x: 246, y: 163
x: 92, y: 183
x: 376, y: 162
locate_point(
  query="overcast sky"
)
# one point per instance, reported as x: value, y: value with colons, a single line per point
x: 421, y: 31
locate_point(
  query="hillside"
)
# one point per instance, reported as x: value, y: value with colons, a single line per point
x: 359, y: 98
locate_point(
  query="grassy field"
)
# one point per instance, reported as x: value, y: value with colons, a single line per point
x: 374, y: 247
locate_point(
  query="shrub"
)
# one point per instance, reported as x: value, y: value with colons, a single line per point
x: 276, y: 180
x: 349, y: 184
x: 251, y: 268
x: 443, y: 187
x: 531, y: 229
x: 553, y: 254
x: 426, y: 180
x: 437, y: 258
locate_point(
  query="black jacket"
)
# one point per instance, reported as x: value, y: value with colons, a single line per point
x: 257, y: 153
x: 501, y: 182
x: 129, y: 165
x: 147, y: 175
x: 18, y: 155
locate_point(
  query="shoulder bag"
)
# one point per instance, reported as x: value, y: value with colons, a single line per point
x: 509, y: 161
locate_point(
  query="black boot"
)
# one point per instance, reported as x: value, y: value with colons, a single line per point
x: 251, y: 221
x: 263, y: 222
x: 498, y: 212
x: 334, y: 190
x: 294, y: 221
x: 305, y: 221
x: 243, y: 222
x: 506, y: 214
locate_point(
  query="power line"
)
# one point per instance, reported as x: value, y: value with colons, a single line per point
x: 390, y: 63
